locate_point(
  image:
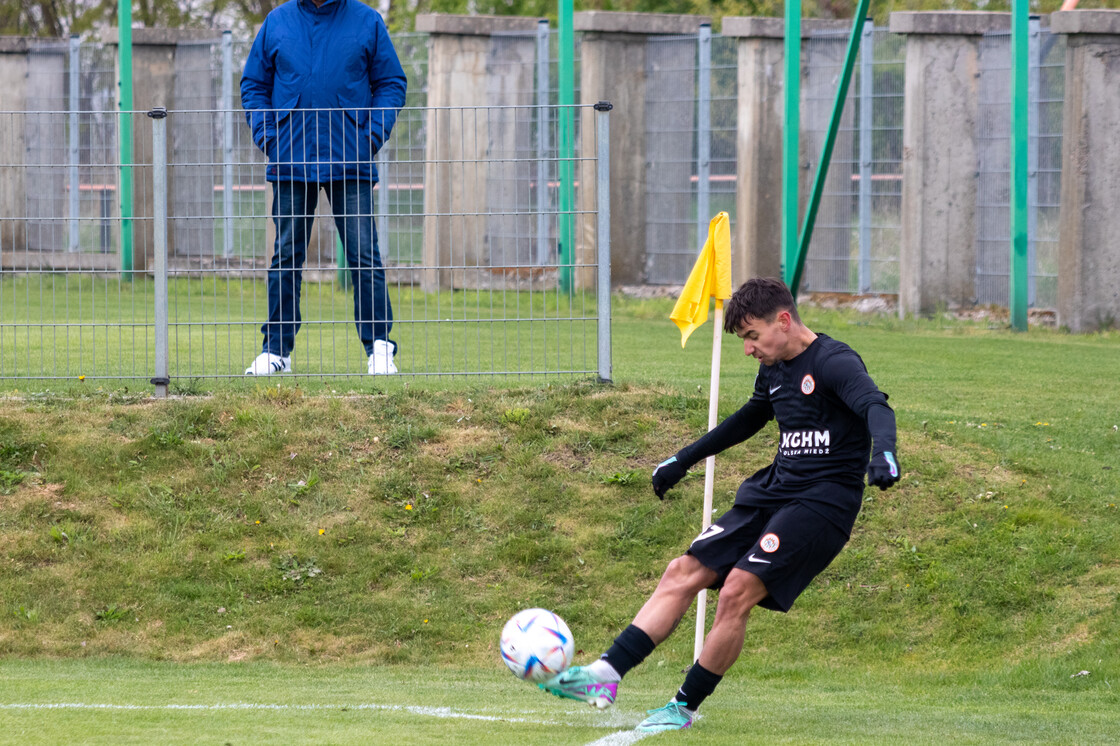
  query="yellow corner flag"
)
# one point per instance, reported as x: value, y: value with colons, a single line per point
x: 710, y: 278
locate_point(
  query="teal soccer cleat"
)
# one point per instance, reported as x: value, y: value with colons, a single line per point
x: 579, y: 684
x: 673, y: 716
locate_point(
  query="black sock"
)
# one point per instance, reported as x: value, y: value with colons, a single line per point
x: 630, y: 648
x: 698, y: 684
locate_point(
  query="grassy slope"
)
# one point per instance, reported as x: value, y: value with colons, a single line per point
x: 176, y: 530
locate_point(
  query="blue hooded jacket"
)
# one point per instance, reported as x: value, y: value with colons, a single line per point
x: 321, y: 90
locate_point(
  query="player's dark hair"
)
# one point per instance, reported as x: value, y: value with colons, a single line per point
x: 759, y: 298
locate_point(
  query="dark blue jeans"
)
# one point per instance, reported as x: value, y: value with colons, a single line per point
x: 293, y: 212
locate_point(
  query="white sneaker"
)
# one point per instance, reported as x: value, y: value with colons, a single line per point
x: 266, y: 364
x: 381, y: 361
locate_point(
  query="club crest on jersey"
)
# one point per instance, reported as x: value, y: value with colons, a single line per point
x: 769, y: 543
x: 808, y: 385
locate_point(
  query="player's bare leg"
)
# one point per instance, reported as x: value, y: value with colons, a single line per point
x: 741, y: 592
x: 682, y: 580
x: 597, y: 683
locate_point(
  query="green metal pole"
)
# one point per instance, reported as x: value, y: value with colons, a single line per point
x: 791, y: 125
x: 340, y: 262
x: 829, y: 142
x: 566, y: 80
x: 124, y: 66
x: 1020, y: 111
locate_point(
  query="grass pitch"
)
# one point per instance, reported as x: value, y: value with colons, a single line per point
x: 112, y: 701
x: 330, y: 569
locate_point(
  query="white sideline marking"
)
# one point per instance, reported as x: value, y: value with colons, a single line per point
x: 436, y: 712
x: 621, y: 738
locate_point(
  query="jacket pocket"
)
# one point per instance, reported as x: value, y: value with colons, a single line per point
x: 279, y: 116
x: 357, y: 142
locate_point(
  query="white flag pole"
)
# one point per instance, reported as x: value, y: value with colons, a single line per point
x: 709, y: 470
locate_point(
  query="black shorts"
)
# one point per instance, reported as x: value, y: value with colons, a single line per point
x: 785, y: 547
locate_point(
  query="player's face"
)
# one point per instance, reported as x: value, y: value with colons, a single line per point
x: 766, y: 341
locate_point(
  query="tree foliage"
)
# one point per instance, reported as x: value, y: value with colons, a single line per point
x: 64, y: 17
x: 58, y: 18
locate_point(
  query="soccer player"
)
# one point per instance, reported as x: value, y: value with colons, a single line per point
x: 789, y: 520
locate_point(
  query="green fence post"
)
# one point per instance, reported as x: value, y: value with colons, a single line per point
x: 340, y: 262
x: 124, y: 133
x: 566, y: 80
x: 1020, y: 112
x: 829, y: 142
x: 791, y: 125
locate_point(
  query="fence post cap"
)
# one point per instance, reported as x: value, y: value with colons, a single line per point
x: 949, y: 22
x: 625, y: 22
x: 1085, y: 22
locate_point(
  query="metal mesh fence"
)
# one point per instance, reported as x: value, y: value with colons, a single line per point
x: 690, y: 145
x: 67, y: 314
x: 690, y: 134
x: 672, y: 70
x: 68, y: 77
x: 882, y: 82
x: 59, y: 160
x: 1046, y: 86
x: 722, y: 140
x: 830, y: 262
x: 1044, y: 167
x: 854, y: 247
x: 513, y: 76
x: 226, y: 197
x: 467, y: 225
x: 80, y: 78
x: 473, y: 300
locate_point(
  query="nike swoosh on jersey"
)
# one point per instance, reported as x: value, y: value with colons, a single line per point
x: 752, y: 558
x: 775, y: 388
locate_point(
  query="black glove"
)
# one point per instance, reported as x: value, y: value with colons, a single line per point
x: 666, y: 476
x: 882, y: 472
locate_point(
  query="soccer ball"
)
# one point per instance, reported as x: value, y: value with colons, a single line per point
x: 537, y: 645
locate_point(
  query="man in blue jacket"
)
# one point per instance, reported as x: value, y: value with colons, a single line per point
x: 321, y: 90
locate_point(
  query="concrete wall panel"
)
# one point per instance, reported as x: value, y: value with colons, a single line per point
x: 1089, y: 255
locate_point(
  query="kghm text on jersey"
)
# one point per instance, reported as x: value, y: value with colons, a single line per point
x: 805, y: 442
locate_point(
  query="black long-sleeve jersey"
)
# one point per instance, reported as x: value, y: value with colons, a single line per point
x: 828, y: 411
